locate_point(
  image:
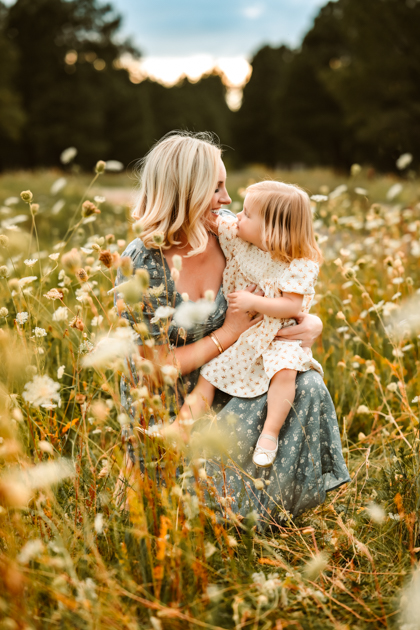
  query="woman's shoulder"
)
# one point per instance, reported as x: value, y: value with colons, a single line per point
x: 144, y: 258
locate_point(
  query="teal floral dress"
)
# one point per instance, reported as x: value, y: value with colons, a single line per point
x: 309, y: 461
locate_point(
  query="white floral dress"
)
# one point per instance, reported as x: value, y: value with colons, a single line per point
x: 246, y: 368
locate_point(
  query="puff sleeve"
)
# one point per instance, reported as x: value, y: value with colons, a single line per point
x: 300, y: 277
x: 227, y: 228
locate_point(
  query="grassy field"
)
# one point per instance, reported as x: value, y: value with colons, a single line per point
x: 71, y: 558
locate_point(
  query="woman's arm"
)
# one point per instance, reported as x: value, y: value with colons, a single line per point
x: 192, y: 356
x: 288, y: 305
x: 308, y: 329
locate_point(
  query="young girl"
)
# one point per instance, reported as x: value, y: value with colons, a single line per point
x: 271, y: 244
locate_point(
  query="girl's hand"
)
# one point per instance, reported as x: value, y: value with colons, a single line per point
x: 308, y: 328
x: 236, y: 322
x: 241, y: 301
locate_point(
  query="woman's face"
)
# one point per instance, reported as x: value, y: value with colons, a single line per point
x: 220, y: 197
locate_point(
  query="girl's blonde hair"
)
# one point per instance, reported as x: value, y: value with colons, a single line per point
x: 178, y: 178
x: 287, y: 228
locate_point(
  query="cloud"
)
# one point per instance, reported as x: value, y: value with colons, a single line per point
x: 253, y: 12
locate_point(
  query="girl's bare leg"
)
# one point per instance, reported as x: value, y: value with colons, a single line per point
x: 281, y: 395
x: 198, y: 401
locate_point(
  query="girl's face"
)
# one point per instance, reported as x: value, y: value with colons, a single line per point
x: 220, y: 197
x: 249, y: 223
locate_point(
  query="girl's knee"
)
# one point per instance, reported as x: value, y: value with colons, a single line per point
x: 285, y: 376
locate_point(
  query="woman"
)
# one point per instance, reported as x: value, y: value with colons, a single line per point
x: 183, y: 181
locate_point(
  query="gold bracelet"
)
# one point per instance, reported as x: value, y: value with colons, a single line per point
x: 216, y: 342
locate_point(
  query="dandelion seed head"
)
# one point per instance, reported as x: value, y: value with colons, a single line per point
x: 376, y: 513
x: 42, y: 390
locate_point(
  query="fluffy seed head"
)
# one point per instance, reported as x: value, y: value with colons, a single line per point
x: 71, y: 260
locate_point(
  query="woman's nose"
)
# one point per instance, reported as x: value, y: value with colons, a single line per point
x: 225, y: 199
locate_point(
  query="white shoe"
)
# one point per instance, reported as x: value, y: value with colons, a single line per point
x: 262, y: 457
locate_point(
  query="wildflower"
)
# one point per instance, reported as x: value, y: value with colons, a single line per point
x: 115, y: 346
x: 189, y: 314
x: 45, y: 447
x: 41, y: 391
x: 30, y: 262
x: 61, y: 314
x: 392, y: 387
x: 398, y: 353
x: 209, y: 548
x: 415, y: 400
x: 30, y: 551
x: 162, y: 312
x: 403, y: 161
x: 11, y: 201
x: 71, y: 260
x: 376, y: 513
x: 155, y: 623
x: 126, y: 266
x: 394, y: 191
x: 4, y: 312
x: 34, y: 208
x: 60, y: 371
x: 175, y: 274
x: 114, y: 166
x: 99, y: 523
x: 209, y: 295
x: 361, y: 191
x: 177, y: 262
x: 81, y: 274
x: 342, y: 329
x: 26, y: 280
x: 319, y: 198
x: 340, y: 315
x: 159, y: 238
x: 355, y: 169
x: 170, y: 373
x: 54, y: 294
x: 4, y: 240
x: 53, y: 256
x: 100, y: 167
x: 26, y: 196
x: 370, y: 369
x: 68, y: 155
x: 4, y: 272
x: 106, y: 258
x: 39, y: 332
x: 259, y: 484
x: 76, y: 322
x: 97, y: 321
x: 58, y: 185
x: 363, y: 409
x: 99, y: 199
x: 315, y: 566
x: 185, y: 297
x: 89, y: 209
x: 138, y: 228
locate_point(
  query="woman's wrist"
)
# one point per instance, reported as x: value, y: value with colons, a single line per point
x: 226, y: 337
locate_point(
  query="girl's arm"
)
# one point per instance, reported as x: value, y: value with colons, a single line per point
x: 284, y: 307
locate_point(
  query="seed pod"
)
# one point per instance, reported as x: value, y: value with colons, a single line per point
x: 100, y: 166
x: 106, y: 258
x: 26, y: 196
x: 82, y: 275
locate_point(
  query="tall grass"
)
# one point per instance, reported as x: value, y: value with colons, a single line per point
x: 166, y: 551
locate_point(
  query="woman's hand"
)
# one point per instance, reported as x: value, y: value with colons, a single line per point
x: 308, y: 328
x: 237, y: 321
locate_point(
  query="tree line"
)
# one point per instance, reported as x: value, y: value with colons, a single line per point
x: 349, y: 93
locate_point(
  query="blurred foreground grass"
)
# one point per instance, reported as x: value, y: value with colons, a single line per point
x: 70, y: 558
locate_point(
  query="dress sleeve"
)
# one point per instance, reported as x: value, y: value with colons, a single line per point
x: 227, y: 226
x: 156, y: 295
x: 299, y: 277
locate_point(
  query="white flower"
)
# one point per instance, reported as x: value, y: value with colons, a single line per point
x: 58, y: 206
x: 11, y: 201
x: 60, y: 371
x: 415, y: 400
x: 31, y: 550
x: 177, y: 262
x: 99, y: 523
x: 119, y: 345
x: 99, y: 199
x: 54, y: 256
x: 27, y: 280
x: 394, y: 191
x: 21, y: 318
x: 114, y: 166
x: 39, y: 332
x: 361, y: 191
x: 97, y: 321
x: 61, y: 314
x: 392, y: 387
x: 68, y: 155
x: 403, y: 161
x: 29, y: 262
x: 363, y: 409
x: 376, y: 513
x: 162, y: 312
x: 188, y: 314
x: 41, y: 391
x: 319, y: 198
x: 58, y: 185
x: 397, y: 353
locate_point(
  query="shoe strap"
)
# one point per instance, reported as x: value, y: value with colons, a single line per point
x: 268, y: 437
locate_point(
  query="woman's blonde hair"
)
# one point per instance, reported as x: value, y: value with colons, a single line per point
x: 177, y: 181
x: 287, y: 229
